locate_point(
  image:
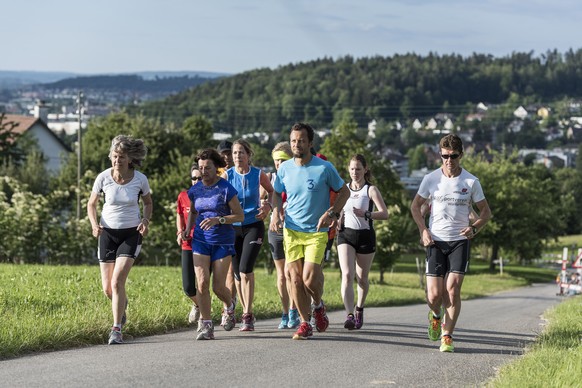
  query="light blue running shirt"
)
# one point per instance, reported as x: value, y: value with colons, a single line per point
x: 307, y: 189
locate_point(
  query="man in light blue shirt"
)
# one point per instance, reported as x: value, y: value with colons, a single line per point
x: 307, y: 217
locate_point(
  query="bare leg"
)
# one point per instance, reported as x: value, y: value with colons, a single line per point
x: 292, y: 304
x: 119, y: 296
x: 298, y: 291
x: 347, y: 263
x: 220, y: 268
x: 106, y: 274
x: 363, y: 264
x: 434, y: 296
x: 313, y: 280
x: 240, y: 293
x: 452, y: 301
x: 247, y: 291
x: 282, y: 284
x: 202, y: 270
x: 230, y: 283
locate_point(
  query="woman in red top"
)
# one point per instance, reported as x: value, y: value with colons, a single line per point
x: 188, y: 275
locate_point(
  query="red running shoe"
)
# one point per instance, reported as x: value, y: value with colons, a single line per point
x: 321, y: 320
x: 303, y: 332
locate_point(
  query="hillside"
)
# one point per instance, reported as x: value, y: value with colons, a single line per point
x: 386, y: 88
x: 17, y: 79
x: 129, y: 82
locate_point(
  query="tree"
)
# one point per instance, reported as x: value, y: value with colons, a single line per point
x: 10, y: 152
x: 197, y: 131
x: 525, y: 202
x: 394, y: 235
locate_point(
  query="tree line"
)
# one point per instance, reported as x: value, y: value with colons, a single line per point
x: 129, y: 82
x: 381, y: 88
x: 531, y: 204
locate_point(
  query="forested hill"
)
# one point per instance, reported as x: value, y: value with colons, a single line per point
x: 130, y: 82
x: 401, y: 86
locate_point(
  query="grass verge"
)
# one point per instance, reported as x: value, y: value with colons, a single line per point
x: 555, y: 360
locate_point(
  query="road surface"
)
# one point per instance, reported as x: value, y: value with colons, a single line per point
x: 392, y: 349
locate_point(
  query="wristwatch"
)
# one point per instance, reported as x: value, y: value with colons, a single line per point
x: 474, y: 229
x: 333, y: 214
x: 367, y: 215
x: 222, y: 220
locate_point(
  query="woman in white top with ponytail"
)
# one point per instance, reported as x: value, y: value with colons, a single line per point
x: 356, y: 244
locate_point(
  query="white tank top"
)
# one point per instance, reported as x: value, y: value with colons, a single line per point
x: 359, y: 199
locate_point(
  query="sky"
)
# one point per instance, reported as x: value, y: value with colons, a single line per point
x: 232, y: 36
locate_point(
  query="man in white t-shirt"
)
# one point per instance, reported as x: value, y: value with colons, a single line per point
x: 452, y: 192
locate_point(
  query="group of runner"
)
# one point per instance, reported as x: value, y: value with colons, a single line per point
x: 221, y: 226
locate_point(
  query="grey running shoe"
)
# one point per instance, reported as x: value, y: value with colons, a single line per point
x: 115, y: 337
x: 312, y: 316
x: 248, y: 322
x: 200, y: 326
x: 207, y: 332
x: 194, y: 315
x: 228, y: 319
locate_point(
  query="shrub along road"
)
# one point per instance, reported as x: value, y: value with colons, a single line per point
x: 391, y: 349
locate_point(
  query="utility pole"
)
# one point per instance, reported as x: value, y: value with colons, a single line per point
x: 79, y: 152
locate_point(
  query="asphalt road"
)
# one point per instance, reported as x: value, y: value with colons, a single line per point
x: 392, y: 349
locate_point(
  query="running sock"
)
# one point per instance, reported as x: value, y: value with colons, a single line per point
x: 117, y: 326
x: 359, y: 308
x: 319, y: 305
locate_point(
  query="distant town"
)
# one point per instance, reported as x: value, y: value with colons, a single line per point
x: 65, y: 104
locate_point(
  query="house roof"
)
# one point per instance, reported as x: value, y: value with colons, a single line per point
x: 27, y: 122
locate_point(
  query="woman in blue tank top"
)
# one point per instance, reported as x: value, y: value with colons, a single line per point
x: 249, y: 233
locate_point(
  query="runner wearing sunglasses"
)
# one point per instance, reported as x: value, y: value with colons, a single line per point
x: 188, y: 275
x: 453, y: 191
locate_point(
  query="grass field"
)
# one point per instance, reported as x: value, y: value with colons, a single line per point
x: 568, y: 241
x: 57, y: 307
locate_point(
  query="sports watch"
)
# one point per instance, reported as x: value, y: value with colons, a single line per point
x: 222, y: 220
x: 333, y: 214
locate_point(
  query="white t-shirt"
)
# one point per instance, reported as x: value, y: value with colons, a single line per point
x: 359, y: 199
x: 451, y: 200
x: 121, y: 206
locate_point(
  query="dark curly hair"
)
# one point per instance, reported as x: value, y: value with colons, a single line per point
x: 211, y: 154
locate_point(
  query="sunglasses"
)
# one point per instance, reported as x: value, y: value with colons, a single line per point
x: 196, y: 178
x: 452, y: 156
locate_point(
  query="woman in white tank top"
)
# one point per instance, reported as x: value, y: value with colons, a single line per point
x: 356, y: 243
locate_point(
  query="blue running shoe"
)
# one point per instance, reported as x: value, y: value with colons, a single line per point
x: 284, y: 321
x: 294, y: 320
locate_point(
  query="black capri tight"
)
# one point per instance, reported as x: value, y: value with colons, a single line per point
x: 188, y: 274
x: 247, y: 244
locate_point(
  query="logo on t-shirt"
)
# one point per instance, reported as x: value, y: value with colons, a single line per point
x: 310, y: 184
x: 463, y: 191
